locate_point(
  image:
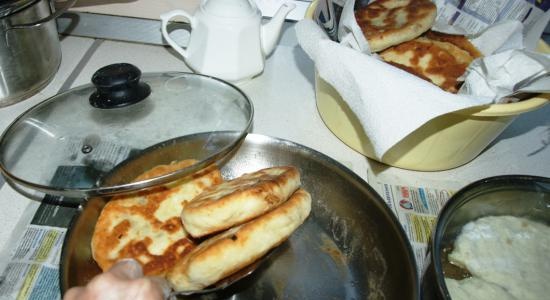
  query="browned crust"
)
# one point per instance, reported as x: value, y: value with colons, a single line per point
x: 266, y: 188
x: 165, y: 169
x: 444, y: 61
x: 104, y: 239
x: 408, y: 69
x: 266, y: 184
x: 238, y: 237
x: 216, y: 245
x: 420, y: 15
x: 458, y: 40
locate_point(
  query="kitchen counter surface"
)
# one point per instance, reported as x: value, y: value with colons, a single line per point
x: 284, y: 102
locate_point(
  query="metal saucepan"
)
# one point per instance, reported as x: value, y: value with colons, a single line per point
x: 515, y: 195
x: 30, y: 52
x: 350, y: 247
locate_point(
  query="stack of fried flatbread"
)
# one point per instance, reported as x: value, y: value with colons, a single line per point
x: 399, y: 31
x: 242, y: 218
x: 146, y: 225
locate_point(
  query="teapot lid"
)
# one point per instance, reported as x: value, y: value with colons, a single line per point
x: 230, y: 8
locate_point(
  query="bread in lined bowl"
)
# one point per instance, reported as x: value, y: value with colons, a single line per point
x: 439, y: 58
x: 386, y: 23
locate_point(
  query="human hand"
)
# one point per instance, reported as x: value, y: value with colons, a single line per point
x: 124, y: 280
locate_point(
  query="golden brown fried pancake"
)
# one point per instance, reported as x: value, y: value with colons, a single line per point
x: 239, y: 200
x: 234, y: 249
x: 146, y: 225
x: 386, y: 23
x: 458, y: 40
x: 440, y: 62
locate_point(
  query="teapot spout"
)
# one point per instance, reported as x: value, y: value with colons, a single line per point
x: 271, y: 30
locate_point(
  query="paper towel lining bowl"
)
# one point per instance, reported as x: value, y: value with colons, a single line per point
x: 443, y: 143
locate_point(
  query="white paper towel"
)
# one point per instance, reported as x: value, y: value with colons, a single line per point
x: 389, y: 103
x: 495, y: 76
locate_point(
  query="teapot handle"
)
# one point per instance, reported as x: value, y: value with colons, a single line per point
x: 165, y: 19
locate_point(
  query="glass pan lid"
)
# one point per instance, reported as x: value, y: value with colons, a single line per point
x: 120, y: 127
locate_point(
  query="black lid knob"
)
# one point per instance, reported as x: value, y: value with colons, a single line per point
x: 118, y: 85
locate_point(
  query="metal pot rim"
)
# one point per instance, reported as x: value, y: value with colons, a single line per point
x: 449, y: 209
x: 14, y: 6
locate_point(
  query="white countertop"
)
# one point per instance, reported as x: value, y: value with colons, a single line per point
x: 152, y: 9
x: 285, y: 107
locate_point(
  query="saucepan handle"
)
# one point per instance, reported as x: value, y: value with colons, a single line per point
x: 165, y: 19
x: 53, y: 16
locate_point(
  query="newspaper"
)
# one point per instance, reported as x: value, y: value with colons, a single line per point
x: 33, y: 269
x: 467, y: 17
x: 475, y: 16
x: 416, y: 208
x: 33, y: 272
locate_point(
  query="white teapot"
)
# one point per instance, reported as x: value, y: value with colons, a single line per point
x: 227, y: 38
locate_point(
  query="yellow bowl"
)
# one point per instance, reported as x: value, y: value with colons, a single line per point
x: 445, y: 142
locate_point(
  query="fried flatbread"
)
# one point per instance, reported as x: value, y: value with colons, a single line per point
x: 442, y: 63
x: 146, y: 225
x: 458, y: 40
x: 234, y: 249
x: 386, y: 23
x: 239, y: 200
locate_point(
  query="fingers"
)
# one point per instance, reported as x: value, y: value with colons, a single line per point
x: 127, y: 269
x: 146, y: 288
x: 163, y: 285
x: 74, y: 293
x: 124, y: 281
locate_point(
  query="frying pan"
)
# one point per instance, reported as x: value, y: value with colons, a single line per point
x: 350, y: 247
